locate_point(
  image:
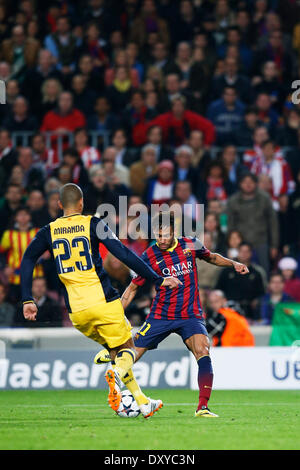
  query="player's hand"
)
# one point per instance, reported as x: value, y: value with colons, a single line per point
x: 240, y: 268
x: 171, y: 282
x: 30, y: 311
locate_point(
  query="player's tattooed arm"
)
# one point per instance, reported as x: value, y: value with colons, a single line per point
x: 219, y: 260
x: 129, y: 294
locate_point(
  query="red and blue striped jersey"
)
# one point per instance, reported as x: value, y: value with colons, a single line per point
x: 179, y: 261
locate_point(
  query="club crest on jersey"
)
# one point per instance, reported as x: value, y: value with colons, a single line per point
x: 187, y: 252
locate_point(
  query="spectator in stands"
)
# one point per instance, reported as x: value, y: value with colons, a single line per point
x: 250, y: 212
x: 266, y: 112
x: 7, y: 309
x: 19, y: 51
x: 275, y: 167
x: 146, y: 22
x: 160, y: 58
x: 50, y: 91
x: 232, y: 77
x: 233, y: 38
x: 36, y: 76
x: 93, y: 75
x: 65, y: 118
x: 143, y: 169
x: 184, y: 62
x: 20, y: 119
x: 201, y: 157
x: 260, y: 135
x: 246, y: 291
x: 277, y: 52
x: 125, y: 156
x: 178, y: 123
x: 172, y: 89
x: 154, y: 138
x: 215, y: 183
x: 53, y: 210
x: 288, y: 133
x: 95, y: 45
x: 63, y: 45
x: 226, y: 326
x: 37, y: 206
x: 159, y: 188
x: 212, y: 226
x: 118, y: 272
x: 226, y: 114
x: 276, y: 294
x: 233, y: 240
x: 121, y: 59
x: 8, y: 157
x: 120, y: 91
x: 11, y: 202
x: 14, y: 243
x: 207, y: 273
x: 119, y: 170
x: 244, y: 133
x: 104, y: 119
x: 49, y: 310
x: 98, y: 191
x: 183, y: 192
x: 33, y: 175
x: 83, y: 97
x: 268, y: 83
x: 43, y: 155
x: 231, y: 161
x: 135, y: 116
x: 184, y: 169
x: 71, y: 159
x: 288, y: 268
x: 89, y: 155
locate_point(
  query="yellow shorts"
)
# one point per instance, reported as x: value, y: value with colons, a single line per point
x: 105, y: 323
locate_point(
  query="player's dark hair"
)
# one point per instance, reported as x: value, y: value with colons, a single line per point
x: 70, y: 194
x: 162, y: 220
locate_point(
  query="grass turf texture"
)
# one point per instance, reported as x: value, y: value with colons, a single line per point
x: 81, y: 419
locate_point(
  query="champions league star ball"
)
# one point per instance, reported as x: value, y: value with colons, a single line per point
x: 128, y: 407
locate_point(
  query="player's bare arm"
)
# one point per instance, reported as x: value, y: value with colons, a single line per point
x: 130, y: 292
x: 219, y: 260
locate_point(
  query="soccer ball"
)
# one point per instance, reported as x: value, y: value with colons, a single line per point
x: 128, y: 407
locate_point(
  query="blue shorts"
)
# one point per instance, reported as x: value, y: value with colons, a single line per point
x: 153, y: 331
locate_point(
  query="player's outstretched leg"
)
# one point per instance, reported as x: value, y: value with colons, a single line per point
x: 199, y: 345
x: 147, y: 405
x: 205, y: 381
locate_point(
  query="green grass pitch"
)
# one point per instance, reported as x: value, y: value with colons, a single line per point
x: 82, y: 420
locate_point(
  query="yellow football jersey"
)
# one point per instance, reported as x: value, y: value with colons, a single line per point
x: 74, y: 242
x: 71, y: 245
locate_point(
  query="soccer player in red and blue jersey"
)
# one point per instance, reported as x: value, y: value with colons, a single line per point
x: 178, y: 310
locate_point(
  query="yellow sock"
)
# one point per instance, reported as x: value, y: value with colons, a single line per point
x: 130, y: 381
x: 124, y: 360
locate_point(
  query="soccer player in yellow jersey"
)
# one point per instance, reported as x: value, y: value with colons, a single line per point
x: 94, y: 305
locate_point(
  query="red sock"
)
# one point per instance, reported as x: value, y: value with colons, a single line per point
x: 205, y: 380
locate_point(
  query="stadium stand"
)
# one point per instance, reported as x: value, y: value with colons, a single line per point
x: 132, y: 98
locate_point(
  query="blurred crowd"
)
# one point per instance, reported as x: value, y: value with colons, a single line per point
x: 169, y: 101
